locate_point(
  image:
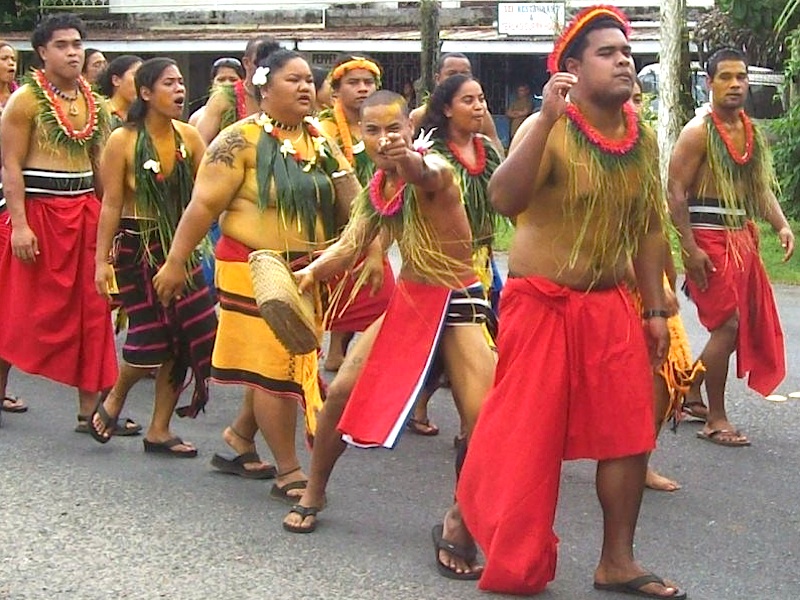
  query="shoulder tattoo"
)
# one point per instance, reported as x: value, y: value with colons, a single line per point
x: 225, y: 146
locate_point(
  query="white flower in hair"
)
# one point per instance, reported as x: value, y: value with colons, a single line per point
x: 152, y: 165
x: 260, y: 76
x: 423, y: 142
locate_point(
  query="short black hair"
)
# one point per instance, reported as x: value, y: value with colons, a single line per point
x: 260, y: 47
x: 320, y: 74
x: 443, y: 58
x: 721, y: 55
x: 578, y: 45
x: 43, y: 32
x: 386, y: 98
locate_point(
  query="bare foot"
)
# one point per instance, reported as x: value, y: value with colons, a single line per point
x: 241, y: 445
x: 455, y: 532
x: 615, y: 579
x: 655, y: 481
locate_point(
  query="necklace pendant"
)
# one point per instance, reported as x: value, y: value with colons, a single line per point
x: 73, y: 109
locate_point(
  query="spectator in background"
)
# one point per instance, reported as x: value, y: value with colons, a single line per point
x: 225, y: 71
x: 520, y: 108
x: 410, y: 94
x: 117, y: 84
x: 94, y: 63
x: 324, y: 94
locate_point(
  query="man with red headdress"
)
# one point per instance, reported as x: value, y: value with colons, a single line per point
x: 582, y: 181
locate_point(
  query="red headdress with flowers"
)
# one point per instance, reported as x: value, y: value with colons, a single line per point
x: 577, y: 25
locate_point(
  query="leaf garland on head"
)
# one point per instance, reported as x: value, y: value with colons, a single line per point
x: 57, y: 130
x: 163, y: 198
x: 474, y: 183
x: 236, y: 97
x: 300, y: 188
x: 741, y: 183
x: 622, y: 191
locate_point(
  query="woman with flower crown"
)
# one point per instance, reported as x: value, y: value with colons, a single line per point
x: 148, y: 168
x: 53, y: 323
x: 270, y: 181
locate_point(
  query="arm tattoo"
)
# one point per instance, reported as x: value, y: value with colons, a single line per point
x: 224, y: 147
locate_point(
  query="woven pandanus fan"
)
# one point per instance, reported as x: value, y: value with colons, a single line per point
x: 289, y: 314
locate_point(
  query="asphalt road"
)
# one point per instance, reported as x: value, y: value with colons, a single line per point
x: 83, y: 521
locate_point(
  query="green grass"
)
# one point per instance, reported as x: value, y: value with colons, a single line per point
x: 771, y: 252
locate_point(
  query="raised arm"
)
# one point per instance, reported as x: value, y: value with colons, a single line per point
x: 526, y: 169
x: 17, y: 124
x: 210, y: 122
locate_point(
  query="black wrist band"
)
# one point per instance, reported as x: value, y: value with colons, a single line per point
x: 655, y: 312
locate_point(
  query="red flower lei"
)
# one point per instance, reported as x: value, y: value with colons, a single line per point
x: 747, y: 155
x: 241, y: 99
x: 385, y: 208
x: 616, y: 147
x: 63, y: 122
x: 480, y: 153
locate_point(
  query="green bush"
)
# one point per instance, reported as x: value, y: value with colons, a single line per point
x: 786, y: 144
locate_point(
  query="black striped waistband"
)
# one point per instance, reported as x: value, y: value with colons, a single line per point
x: 711, y: 213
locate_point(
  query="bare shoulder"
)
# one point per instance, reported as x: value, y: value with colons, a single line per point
x: 417, y: 115
x: 119, y: 137
x: 22, y: 105
x: 231, y: 142
x: 188, y: 132
x: 694, y: 132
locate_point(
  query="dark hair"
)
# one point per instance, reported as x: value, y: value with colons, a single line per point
x: 146, y: 77
x: 119, y: 66
x: 385, y: 98
x: 443, y: 58
x: 87, y: 54
x: 578, y: 45
x: 721, y: 55
x: 43, y: 32
x: 345, y: 58
x: 230, y: 62
x: 319, y: 74
x: 276, y: 61
x: 442, y: 96
x: 261, y: 47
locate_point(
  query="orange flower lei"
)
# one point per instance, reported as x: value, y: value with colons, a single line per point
x: 749, y: 137
x: 79, y: 136
x: 344, y: 132
x: 581, y: 20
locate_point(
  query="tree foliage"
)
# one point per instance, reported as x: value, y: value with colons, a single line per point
x: 18, y: 15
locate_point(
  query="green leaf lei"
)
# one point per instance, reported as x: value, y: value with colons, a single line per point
x: 54, y: 136
x: 301, y: 189
x: 164, y: 198
x: 483, y: 220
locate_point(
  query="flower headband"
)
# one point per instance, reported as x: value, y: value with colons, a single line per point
x: 357, y: 63
x: 577, y: 25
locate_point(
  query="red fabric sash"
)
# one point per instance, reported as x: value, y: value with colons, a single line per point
x: 365, y: 307
x: 740, y: 284
x: 397, y: 366
x: 53, y: 322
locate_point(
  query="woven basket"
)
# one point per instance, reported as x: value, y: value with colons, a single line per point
x: 346, y: 186
x: 289, y: 314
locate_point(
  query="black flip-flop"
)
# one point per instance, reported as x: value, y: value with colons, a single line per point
x: 109, y: 422
x: 236, y: 466
x: 166, y: 448
x: 282, y: 492
x: 13, y: 409
x: 635, y: 585
x: 465, y: 553
x: 303, y: 511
